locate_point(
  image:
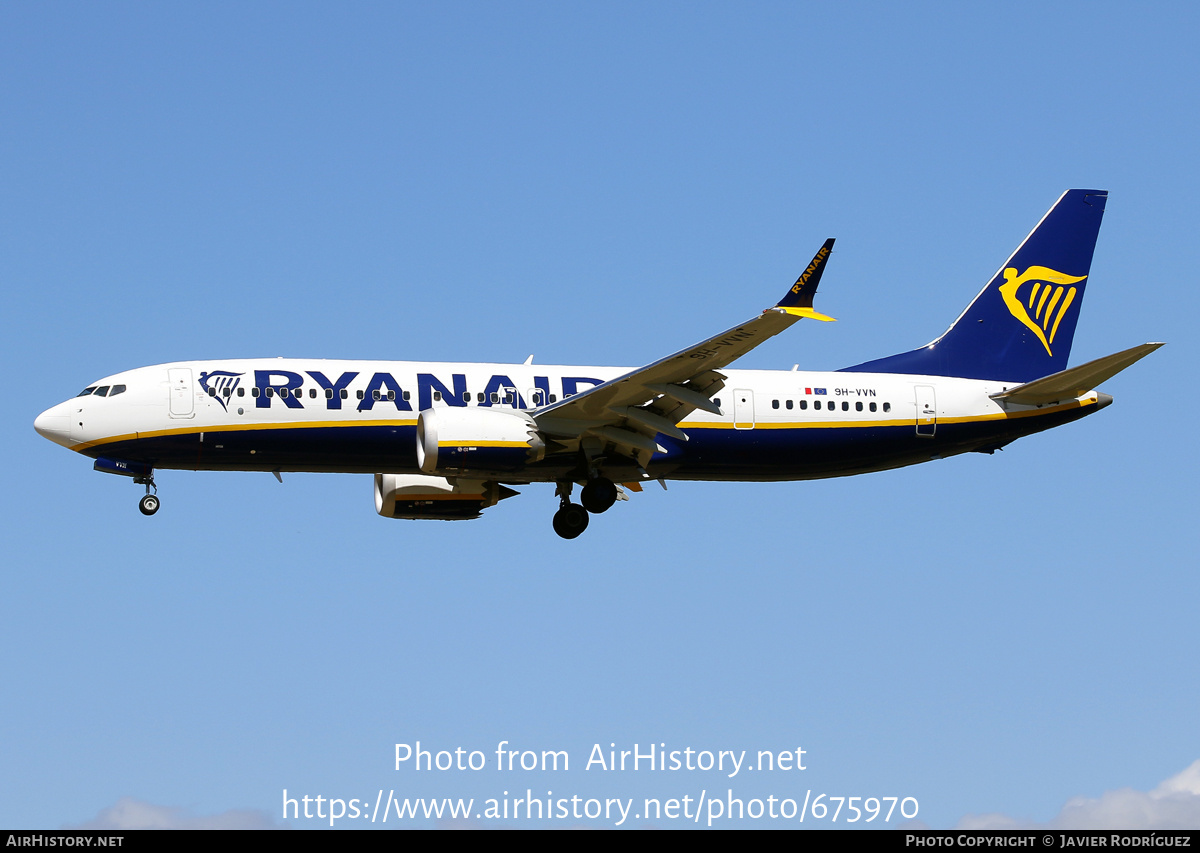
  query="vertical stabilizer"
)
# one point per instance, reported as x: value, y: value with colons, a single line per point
x: 1020, y: 326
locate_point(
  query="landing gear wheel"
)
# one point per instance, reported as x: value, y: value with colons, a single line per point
x: 598, y: 495
x: 570, y: 521
x: 148, y: 504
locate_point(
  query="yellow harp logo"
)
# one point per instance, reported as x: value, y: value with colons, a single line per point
x: 1045, y: 294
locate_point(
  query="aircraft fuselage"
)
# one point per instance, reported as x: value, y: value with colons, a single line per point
x: 360, y: 417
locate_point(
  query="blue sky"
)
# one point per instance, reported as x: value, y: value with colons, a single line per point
x: 596, y: 184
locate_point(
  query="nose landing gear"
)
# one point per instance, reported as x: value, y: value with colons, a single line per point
x: 149, y: 503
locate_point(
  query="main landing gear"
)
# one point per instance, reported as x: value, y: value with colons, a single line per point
x: 149, y: 503
x: 570, y: 520
x: 597, y: 496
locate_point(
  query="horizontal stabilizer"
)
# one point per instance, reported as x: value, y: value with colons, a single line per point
x: 1075, y: 382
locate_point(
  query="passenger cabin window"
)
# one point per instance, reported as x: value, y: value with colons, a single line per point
x: 312, y: 393
x: 788, y: 404
x: 817, y: 404
x: 495, y: 397
x: 241, y: 392
x: 887, y: 407
x: 858, y: 407
x: 845, y: 406
x: 212, y: 392
x: 437, y: 395
x: 346, y: 394
x: 329, y: 393
x: 804, y: 404
x: 360, y: 394
x: 873, y: 407
x: 391, y: 395
x: 553, y: 398
x: 774, y: 404
x: 466, y: 396
x: 406, y: 395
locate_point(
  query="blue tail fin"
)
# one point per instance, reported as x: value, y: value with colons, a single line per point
x: 1021, y: 325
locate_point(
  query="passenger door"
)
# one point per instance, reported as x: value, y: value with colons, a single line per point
x: 743, y: 409
x: 183, y: 401
x: 926, y: 411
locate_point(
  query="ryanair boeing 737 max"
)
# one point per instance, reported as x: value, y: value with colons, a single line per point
x: 447, y: 440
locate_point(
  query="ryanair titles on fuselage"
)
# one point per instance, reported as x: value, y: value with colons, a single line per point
x: 284, y: 386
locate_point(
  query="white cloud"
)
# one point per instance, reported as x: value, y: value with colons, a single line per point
x: 1175, y: 804
x: 129, y: 813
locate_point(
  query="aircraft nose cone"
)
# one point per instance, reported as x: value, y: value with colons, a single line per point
x: 55, y: 425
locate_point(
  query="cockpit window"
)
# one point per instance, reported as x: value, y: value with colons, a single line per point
x: 102, y: 391
x: 86, y: 391
x: 116, y: 389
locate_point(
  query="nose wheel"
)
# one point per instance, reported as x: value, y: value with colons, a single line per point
x: 149, y: 503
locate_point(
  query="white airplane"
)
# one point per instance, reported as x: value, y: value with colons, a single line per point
x: 447, y: 440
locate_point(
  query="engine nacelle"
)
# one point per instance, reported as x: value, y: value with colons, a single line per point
x: 418, y: 496
x: 479, y: 441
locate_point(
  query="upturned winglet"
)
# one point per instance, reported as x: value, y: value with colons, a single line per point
x: 798, y: 301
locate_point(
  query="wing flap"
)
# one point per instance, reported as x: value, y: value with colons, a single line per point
x: 628, y: 438
x: 685, y: 395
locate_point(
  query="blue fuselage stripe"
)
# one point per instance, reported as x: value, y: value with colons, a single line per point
x: 710, y: 454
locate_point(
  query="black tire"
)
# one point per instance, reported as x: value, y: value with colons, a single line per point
x: 570, y: 521
x: 598, y: 495
x: 148, y: 504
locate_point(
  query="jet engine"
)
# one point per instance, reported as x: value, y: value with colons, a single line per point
x: 477, y: 441
x: 419, y: 496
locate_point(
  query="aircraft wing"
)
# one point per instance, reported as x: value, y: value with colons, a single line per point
x: 630, y: 410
